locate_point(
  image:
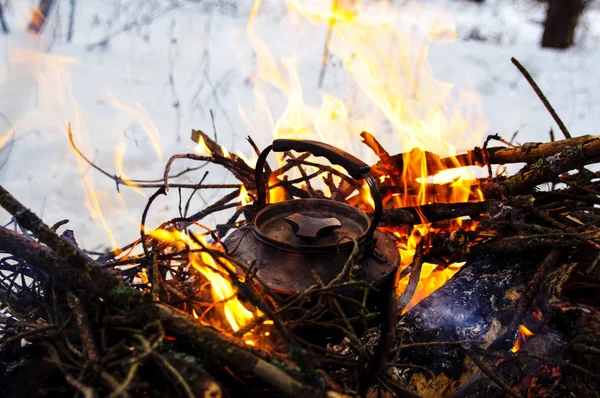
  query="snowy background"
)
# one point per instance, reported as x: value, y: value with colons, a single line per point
x: 138, y: 75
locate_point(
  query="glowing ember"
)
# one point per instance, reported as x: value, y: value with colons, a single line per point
x: 522, y: 337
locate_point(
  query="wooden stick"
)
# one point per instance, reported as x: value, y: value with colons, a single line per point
x: 415, y: 276
x: 529, y: 152
x: 542, y: 97
x: 94, y: 279
x: 216, y: 345
x: 489, y: 373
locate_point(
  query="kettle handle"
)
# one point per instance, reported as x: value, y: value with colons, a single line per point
x: 355, y: 167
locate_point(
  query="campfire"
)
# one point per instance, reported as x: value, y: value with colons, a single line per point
x: 426, y: 271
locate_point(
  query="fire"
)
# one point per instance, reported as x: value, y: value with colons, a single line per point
x: 392, y: 92
x: 224, y: 293
x: 37, y: 19
x: 386, y: 60
x: 432, y: 276
x: 366, y: 196
x: 119, y: 156
x: 226, y: 153
x: 244, y: 196
x: 4, y: 139
x: 522, y: 337
x: 276, y: 194
x: 201, y: 147
x: 383, y: 52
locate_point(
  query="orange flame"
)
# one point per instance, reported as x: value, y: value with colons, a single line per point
x: 119, y: 157
x: 226, y: 153
x: 522, y: 337
x: 224, y: 293
x: 201, y: 147
x: 432, y: 276
x: 244, y: 197
x: 380, y: 52
x: 383, y: 51
x: 37, y: 19
x: 276, y: 194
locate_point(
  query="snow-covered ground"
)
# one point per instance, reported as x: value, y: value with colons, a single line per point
x: 139, y: 75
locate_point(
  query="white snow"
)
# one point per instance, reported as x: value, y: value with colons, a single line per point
x: 114, y: 92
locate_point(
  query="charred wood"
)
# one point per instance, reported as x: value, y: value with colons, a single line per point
x: 527, y: 153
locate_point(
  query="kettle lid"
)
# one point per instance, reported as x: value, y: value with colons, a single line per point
x: 310, y: 225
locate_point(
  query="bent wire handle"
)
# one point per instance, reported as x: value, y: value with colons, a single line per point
x: 355, y: 167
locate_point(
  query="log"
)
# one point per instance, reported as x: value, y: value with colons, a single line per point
x: 65, y: 250
x: 529, y: 152
x: 187, y: 330
x: 435, y: 212
x: 543, y: 170
x: 548, y: 169
x: 96, y: 281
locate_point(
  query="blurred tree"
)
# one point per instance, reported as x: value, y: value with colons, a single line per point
x: 2, y: 20
x: 71, y: 21
x: 561, y: 20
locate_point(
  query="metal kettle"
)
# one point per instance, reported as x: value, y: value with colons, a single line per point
x: 289, y: 240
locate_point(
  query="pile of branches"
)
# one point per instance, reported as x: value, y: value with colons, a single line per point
x: 126, y: 324
x: 144, y: 320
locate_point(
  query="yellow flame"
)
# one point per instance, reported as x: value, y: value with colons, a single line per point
x: 92, y: 201
x: 226, y: 153
x: 250, y: 161
x: 432, y: 276
x: 224, y: 293
x: 383, y: 56
x: 522, y: 337
x: 366, y: 195
x: 383, y: 51
x: 244, y: 197
x: 276, y: 194
x: 202, y: 147
x: 4, y: 139
x: 48, y: 77
x: 119, y: 156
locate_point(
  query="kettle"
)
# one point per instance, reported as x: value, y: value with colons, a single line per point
x: 289, y: 240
